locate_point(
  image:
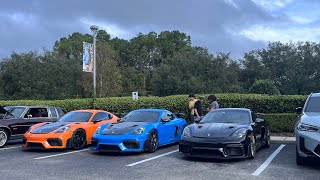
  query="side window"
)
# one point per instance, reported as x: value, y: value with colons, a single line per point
x: 36, y: 112
x: 60, y: 112
x: 167, y: 115
x: 101, y: 116
x: 53, y: 112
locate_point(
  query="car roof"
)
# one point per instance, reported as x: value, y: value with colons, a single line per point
x: 242, y: 109
x: 315, y: 95
x: 90, y: 110
x: 153, y: 110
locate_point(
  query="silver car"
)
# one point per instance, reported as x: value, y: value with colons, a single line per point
x: 307, y: 129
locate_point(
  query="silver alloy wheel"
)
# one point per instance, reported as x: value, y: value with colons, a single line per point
x: 3, y: 138
x: 252, y: 146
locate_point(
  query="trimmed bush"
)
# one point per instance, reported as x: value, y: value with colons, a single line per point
x: 281, y: 122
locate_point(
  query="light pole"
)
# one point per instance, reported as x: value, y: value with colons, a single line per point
x: 94, y: 30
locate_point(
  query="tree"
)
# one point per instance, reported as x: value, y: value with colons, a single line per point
x: 264, y: 87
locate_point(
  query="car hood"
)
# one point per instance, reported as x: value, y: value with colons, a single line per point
x: 311, y: 119
x: 215, y: 130
x: 47, y: 128
x: 122, y: 128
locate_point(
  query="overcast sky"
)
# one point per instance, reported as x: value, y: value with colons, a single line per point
x: 235, y: 26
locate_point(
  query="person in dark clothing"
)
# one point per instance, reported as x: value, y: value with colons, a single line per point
x: 198, y: 113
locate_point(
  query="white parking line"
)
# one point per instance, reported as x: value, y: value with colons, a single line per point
x: 10, y: 148
x: 149, y: 159
x: 44, y: 157
x: 268, y: 161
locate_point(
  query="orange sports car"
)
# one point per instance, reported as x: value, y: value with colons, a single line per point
x: 74, y: 130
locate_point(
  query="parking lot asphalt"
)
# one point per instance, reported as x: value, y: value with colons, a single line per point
x: 276, y: 162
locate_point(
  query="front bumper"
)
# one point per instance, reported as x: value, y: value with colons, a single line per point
x: 308, y: 143
x: 47, y: 141
x: 214, y: 148
x: 118, y: 143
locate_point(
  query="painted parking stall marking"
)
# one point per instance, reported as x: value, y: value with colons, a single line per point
x: 44, y: 157
x: 10, y: 148
x: 268, y: 161
x: 149, y: 159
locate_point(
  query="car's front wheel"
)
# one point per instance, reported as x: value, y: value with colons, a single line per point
x: 3, y: 137
x: 152, y: 142
x: 78, y: 140
x: 299, y: 160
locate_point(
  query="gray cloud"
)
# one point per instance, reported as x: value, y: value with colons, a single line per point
x: 210, y: 23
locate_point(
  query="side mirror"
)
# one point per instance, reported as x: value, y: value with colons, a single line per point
x: 299, y: 110
x: 96, y: 121
x: 29, y: 116
x: 165, y: 120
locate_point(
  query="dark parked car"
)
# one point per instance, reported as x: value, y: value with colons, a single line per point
x: 16, y: 120
x: 225, y: 133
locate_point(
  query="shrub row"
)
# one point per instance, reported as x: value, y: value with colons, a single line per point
x: 284, y: 122
x: 177, y: 103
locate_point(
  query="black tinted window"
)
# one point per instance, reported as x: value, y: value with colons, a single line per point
x: 227, y: 116
x: 101, y: 116
x: 313, y: 105
x: 76, y: 117
x: 141, y: 116
x: 36, y: 112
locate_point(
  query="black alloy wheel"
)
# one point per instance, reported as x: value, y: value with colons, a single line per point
x: 152, y: 143
x: 78, y: 140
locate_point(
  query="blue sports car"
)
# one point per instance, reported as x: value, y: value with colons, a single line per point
x: 140, y: 130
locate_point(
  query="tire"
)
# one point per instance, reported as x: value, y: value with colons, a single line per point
x: 152, y: 142
x: 4, y: 136
x: 299, y: 160
x: 78, y: 140
x: 252, y: 148
x: 267, y: 140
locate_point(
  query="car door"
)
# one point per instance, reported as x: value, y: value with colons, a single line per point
x: 103, y: 116
x: 166, y: 130
x: 33, y: 115
x: 257, y: 124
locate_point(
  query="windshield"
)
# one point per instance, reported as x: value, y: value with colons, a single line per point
x: 141, y: 116
x: 227, y: 116
x: 313, y: 105
x: 76, y: 117
x: 16, y: 111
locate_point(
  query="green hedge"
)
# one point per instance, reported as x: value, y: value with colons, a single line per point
x: 277, y: 107
x: 281, y: 122
x: 177, y: 103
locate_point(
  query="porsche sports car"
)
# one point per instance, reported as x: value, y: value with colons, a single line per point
x: 225, y: 133
x: 74, y: 130
x: 140, y: 130
x: 307, y: 130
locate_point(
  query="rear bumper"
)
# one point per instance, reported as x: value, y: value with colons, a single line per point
x: 118, y: 143
x: 47, y: 141
x: 308, y: 144
x: 218, y: 149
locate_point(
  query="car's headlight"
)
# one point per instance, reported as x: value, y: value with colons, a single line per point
x: 306, y: 127
x: 30, y: 129
x: 239, y: 133
x: 139, y: 130
x: 98, y: 130
x: 62, y: 129
x: 186, y: 132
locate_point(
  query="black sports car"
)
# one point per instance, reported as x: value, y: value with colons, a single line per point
x: 225, y: 133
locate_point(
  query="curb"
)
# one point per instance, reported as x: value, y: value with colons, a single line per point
x: 283, y: 139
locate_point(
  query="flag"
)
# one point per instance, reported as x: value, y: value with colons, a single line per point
x: 87, y: 57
